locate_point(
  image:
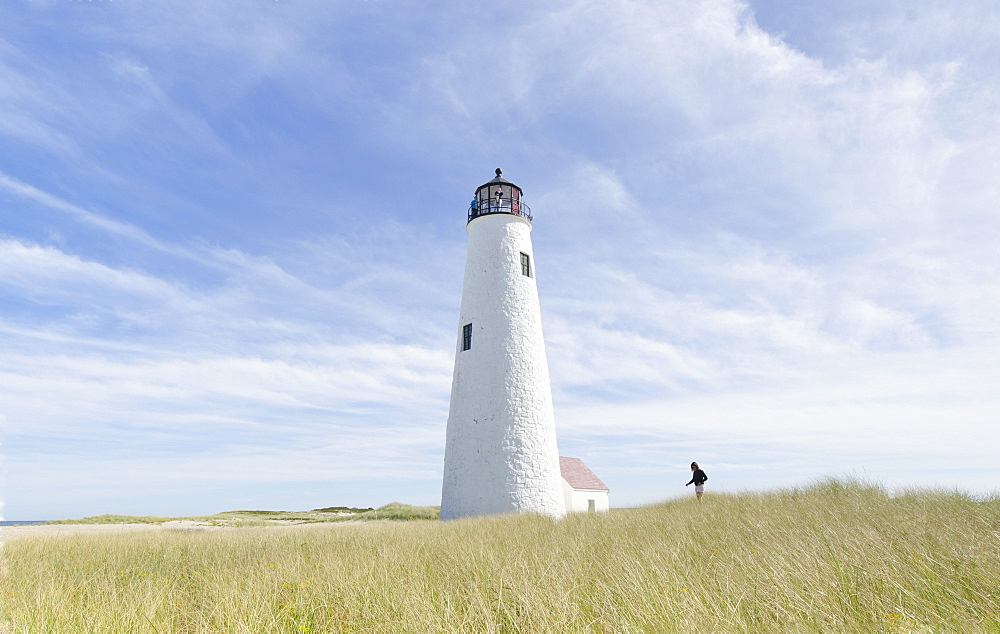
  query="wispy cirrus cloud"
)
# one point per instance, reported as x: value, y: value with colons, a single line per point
x: 15, y: 187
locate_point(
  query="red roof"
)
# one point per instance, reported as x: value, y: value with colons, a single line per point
x: 579, y: 475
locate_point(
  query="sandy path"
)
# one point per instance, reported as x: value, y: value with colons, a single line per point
x: 8, y: 533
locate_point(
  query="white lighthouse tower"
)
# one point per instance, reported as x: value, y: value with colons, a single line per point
x: 500, y: 453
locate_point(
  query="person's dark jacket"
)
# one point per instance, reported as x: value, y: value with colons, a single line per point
x: 698, y: 478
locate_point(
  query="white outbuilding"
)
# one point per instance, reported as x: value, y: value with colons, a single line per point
x: 583, y: 490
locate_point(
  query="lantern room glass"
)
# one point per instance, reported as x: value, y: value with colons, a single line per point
x: 499, y: 196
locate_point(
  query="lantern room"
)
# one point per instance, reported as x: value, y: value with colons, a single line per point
x: 498, y: 196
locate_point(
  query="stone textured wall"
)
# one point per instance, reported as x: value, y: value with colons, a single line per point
x: 500, y: 454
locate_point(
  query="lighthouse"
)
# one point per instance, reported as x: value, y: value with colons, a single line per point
x: 500, y: 449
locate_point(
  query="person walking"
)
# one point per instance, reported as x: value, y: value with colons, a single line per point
x: 698, y: 479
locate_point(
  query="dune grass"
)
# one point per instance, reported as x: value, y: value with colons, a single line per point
x: 838, y: 556
x: 116, y: 519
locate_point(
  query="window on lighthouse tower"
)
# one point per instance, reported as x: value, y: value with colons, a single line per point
x: 466, y: 337
x: 526, y: 264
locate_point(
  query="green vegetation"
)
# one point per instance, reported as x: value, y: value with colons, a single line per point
x: 392, y: 511
x: 398, y: 512
x: 115, y: 519
x: 343, y: 509
x: 839, y: 556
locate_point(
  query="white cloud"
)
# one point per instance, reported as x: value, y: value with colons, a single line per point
x: 48, y: 276
x: 134, y: 71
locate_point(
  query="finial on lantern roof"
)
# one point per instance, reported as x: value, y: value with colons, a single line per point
x: 499, y: 172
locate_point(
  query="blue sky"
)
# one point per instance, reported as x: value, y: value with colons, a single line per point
x: 232, y: 241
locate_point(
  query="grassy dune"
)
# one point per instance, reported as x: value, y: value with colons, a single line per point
x: 839, y: 556
x: 392, y: 511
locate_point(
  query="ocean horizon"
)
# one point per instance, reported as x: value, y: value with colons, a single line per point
x: 21, y: 522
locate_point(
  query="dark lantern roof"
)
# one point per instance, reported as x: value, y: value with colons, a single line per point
x: 499, y: 180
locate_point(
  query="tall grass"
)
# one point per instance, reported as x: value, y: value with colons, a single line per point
x: 839, y: 556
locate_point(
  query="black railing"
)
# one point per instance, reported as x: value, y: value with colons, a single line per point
x: 503, y: 206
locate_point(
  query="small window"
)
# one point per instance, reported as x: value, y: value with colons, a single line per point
x: 591, y: 506
x: 466, y: 337
x: 526, y: 264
